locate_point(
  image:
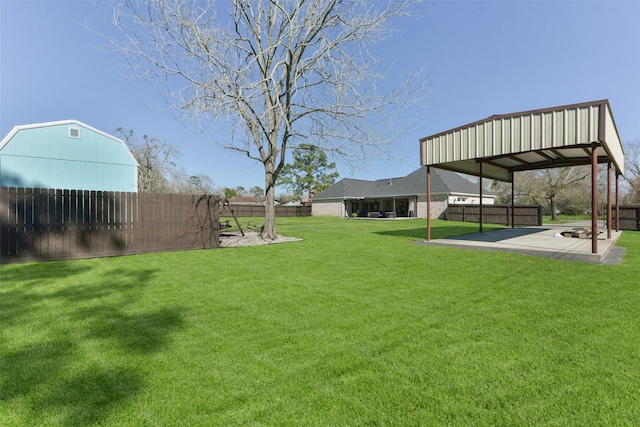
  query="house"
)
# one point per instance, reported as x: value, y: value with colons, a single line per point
x: 66, y: 155
x: 398, y: 197
x: 306, y: 200
x: 249, y: 200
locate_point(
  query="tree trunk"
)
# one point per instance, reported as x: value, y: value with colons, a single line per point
x: 554, y: 213
x: 269, y: 229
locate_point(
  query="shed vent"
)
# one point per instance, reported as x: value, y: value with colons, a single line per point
x: 74, y: 133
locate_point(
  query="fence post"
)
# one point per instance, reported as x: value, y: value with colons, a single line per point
x: 4, y: 222
x: 539, y: 215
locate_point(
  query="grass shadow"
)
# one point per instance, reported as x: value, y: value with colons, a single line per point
x: 36, y: 273
x: 87, y: 397
x: 50, y: 316
x: 27, y: 368
x: 439, y: 232
x: 133, y: 332
x: 43, y: 375
x: 21, y: 287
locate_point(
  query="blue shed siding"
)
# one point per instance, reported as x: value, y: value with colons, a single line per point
x: 47, y: 157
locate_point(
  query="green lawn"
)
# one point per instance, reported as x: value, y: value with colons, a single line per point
x: 352, y: 326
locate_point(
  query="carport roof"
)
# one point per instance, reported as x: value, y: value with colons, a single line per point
x: 536, y: 139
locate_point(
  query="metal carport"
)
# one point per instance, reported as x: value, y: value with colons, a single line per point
x: 496, y: 147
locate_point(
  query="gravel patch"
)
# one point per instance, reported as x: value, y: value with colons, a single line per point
x: 615, y: 256
x: 234, y: 239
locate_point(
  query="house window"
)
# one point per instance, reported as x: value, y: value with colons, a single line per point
x: 74, y: 133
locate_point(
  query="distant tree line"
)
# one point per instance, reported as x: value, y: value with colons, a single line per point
x: 256, y: 191
x: 159, y: 169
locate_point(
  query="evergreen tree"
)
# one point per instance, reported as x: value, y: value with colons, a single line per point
x: 310, y: 172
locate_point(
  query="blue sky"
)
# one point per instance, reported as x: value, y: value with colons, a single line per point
x: 483, y: 58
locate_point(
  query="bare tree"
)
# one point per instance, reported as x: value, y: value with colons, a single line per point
x: 632, y: 171
x: 548, y: 184
x: 156, y: 160
x: 279, y: 72
x: 194, y: 184
x: 203, y: 184
x: 502, y: 191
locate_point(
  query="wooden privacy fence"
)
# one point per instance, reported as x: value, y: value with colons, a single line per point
x: 496, y: 214
x: 629, y: 217
x: 258, y: 211
x: 43, y: 224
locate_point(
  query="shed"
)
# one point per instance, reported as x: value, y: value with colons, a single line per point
x: 66, y: 155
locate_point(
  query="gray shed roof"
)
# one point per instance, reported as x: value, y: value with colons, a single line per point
x: 536, y: 139
x: 442, y: 182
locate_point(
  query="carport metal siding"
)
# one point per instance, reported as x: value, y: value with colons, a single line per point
x: 569, y: 135
x: 529, y: 135
x: 613, y: 144
x: 506, y: 135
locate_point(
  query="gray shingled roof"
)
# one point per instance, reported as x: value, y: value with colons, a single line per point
x: 442, y: 181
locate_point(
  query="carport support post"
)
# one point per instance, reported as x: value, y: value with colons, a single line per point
x: 609, y: 207
x: 594, y: 198
x: 428, y: 203
x: 617, y: 202
x: 480, y: 183
x: 513, y: 200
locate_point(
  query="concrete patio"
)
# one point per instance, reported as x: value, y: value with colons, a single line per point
x: 540, y: 242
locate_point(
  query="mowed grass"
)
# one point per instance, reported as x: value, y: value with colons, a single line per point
x: 352, y: 326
